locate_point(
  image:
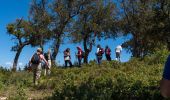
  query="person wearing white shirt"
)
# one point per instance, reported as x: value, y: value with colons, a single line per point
x: 118, y: 51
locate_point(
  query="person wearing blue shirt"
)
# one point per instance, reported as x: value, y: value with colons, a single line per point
x: 165, y: 82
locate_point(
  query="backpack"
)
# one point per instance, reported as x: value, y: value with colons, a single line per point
x: 46, y: 56
x: 101, y: 51
x: 108, y: 51
x: 35, y: 59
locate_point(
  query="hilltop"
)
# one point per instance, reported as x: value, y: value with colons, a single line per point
x: 136, y: 79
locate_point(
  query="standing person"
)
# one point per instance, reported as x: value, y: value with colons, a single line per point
x: 35, y: 63
x: 118, y: 51
x: 79, y: 55
x: 108, y: 53
x: 67, y: 57
x: 48, y: 57
x: 165, y: 82
x: 99, y: 54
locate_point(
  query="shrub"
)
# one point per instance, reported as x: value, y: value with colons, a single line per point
x: 129, y: 81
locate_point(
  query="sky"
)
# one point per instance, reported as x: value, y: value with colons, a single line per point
x: 10, y: 10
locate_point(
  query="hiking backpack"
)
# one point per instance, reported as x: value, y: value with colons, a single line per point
x: 101, y: 51
x: 46, y: 56
x: 108, y: 51
x: 35, y: 59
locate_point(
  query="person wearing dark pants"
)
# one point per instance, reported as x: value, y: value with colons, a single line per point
x: 99, y: 54
x: 68, y: 62
x: 118, y: 51
x: 79, y: 55
x: 108, y: 53
x: 67, y: 57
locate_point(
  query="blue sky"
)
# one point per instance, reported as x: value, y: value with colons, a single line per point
x: 10, y: 10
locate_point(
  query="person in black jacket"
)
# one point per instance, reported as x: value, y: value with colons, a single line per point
x: 108, y: 53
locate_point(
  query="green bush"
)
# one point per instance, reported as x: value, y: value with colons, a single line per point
x: 111, y: 80
x: 20, y: 95
x: 158, y: 57
x: 136, y: 79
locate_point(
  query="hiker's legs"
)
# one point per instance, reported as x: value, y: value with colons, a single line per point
x: 108, y: 57
x: 38, y: 73
x: 34, y: 69
x: 70, y: 63
x: 45, y: 71
x: 66, y: 63
x: 79, y: 61
x: 49, y: 67
x: 117, y: 56
x: 99, y: 59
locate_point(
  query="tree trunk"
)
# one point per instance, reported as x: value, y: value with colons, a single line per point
x: 168, y: 45
x: 136, y: 49
x: 15, y: 63
x: 86, y: 56
x: 56, y: 49
x: 86, y: 51
x: 41, y: 43
x: 168, y: 42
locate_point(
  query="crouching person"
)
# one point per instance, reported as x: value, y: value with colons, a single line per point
x: 35, y: 63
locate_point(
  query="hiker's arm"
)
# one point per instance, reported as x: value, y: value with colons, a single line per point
x: 120, y: 49
x: 42, y: 57
x: 97, y: 50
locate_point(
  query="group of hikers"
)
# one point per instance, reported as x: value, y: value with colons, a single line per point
x: 99, y: 54
x: 41, y: 60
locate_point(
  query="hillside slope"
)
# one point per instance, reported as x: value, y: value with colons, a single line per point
x: 112, y: 80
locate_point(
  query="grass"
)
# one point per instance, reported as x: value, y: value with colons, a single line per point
x: 136, y: 79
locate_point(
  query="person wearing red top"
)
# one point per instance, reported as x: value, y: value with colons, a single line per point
x: 79, y: 55
x: 108, y: 53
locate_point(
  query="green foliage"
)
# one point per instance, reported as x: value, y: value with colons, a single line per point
x: 158, y: 57
x: 21, y: 95
x: 136, y: 79
x: 133, y: 80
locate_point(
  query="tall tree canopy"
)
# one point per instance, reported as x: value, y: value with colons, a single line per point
x: 96, y: 21
x: 140, y: 18
x: 18, y: 31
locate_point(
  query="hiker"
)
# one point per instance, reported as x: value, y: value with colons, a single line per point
x: 165, y: 82
x: 67, y: 57
x: 108, y: 53
x: 79, y: 55
x: 99, y: 54
x: 118, y: 51
x: 35, y: 63
x: 48, y: 58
